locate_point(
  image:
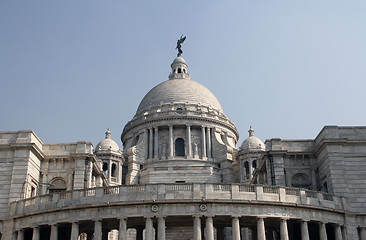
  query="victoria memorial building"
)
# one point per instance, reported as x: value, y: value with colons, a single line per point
x: 182, y: 174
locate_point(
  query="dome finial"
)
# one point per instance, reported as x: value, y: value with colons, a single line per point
x: 251, y: 131
x: 179, y: 45
x: 108, y: 134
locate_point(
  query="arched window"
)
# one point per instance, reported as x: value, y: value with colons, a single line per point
x: 301, y: 180
x: 179, y: 70
x: 246, y: 165
x: 114, y: 169
x: 57, y: 185
x: 184, y: 70
x: 254, y: 164
x: 180, y: 147
x: 105, y: 166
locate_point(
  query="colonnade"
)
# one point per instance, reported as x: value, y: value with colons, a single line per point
x: 203, y: 228
x: 152, y: 137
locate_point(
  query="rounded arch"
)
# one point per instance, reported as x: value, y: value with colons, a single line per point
x: 180, y: 147
x: 246, y: 166
x: 57, y: 184
x: 301, y: 180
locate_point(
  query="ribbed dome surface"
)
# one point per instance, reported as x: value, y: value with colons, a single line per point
x: 107, y: 144
x: 179, y: 90
x: 252, y: 143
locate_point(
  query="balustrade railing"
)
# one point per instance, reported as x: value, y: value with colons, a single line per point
x: 187, y: 191
x: 270, y: 189
x: 246, y: 188
x: 222, y: 187
x: 178, y: 187
x: 292, y: 191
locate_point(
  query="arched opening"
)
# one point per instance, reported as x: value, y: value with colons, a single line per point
x: 105, y: 166
x: 57, y: 185
x: 184, y: 70
x: 180, y: 147
x: 114, y: 170
x: 179, y: 70
x: 301, y: 180
x: 246, y: 165
x: 254, y: 164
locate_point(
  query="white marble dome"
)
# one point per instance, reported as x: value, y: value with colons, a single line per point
x: 252, y: 143
x: 107, y: 144
x: 179, y: 90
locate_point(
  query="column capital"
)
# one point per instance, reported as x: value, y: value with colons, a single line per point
x: 170, y: 125
x: 122, y: 218
x: 203, y: 126
x: 197, y: 216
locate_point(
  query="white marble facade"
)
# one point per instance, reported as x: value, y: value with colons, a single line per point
x: 181, y: 175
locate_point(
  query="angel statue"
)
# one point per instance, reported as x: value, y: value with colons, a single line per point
x: 179, y: 45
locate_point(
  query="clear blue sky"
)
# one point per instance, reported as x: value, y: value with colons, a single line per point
x: 71, y: 69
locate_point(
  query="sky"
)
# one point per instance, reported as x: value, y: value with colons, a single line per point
x: 71, y: 69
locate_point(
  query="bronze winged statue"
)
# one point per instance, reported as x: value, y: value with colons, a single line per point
x: 179, y: 45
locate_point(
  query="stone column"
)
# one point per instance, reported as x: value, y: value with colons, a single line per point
x: 161, y: 228
x: 74, y: 231
x: 156, y: 142
x: 304, y: 230
x: 189, y: 142
x: 363, y: 233
x: 250, y: 166
x: 203, y: 144
x: 197, y: 235
x: 283, y: 229
x: 149, y: 231
x: 146, y: 142
x: 89, y: 173
x: 235, y: 228
x: 20, y: 235
x: 261, y: 231
x: 338, y: 232
x: 171, y: 143
x: 208, y: 138
x: 44, y: 183
x: 54, y: 232
x: 209, y: 228
x: 109, y: 170
x: 35, y: 233
x: 151, y: 140
x: 98, y: 229
x: 122, y: 231
x: 322, y: 231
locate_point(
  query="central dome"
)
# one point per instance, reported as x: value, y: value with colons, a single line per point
x: 179, y: 89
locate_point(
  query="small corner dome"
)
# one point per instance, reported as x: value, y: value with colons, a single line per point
x: 252, y: 143
x: 107, y: 144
